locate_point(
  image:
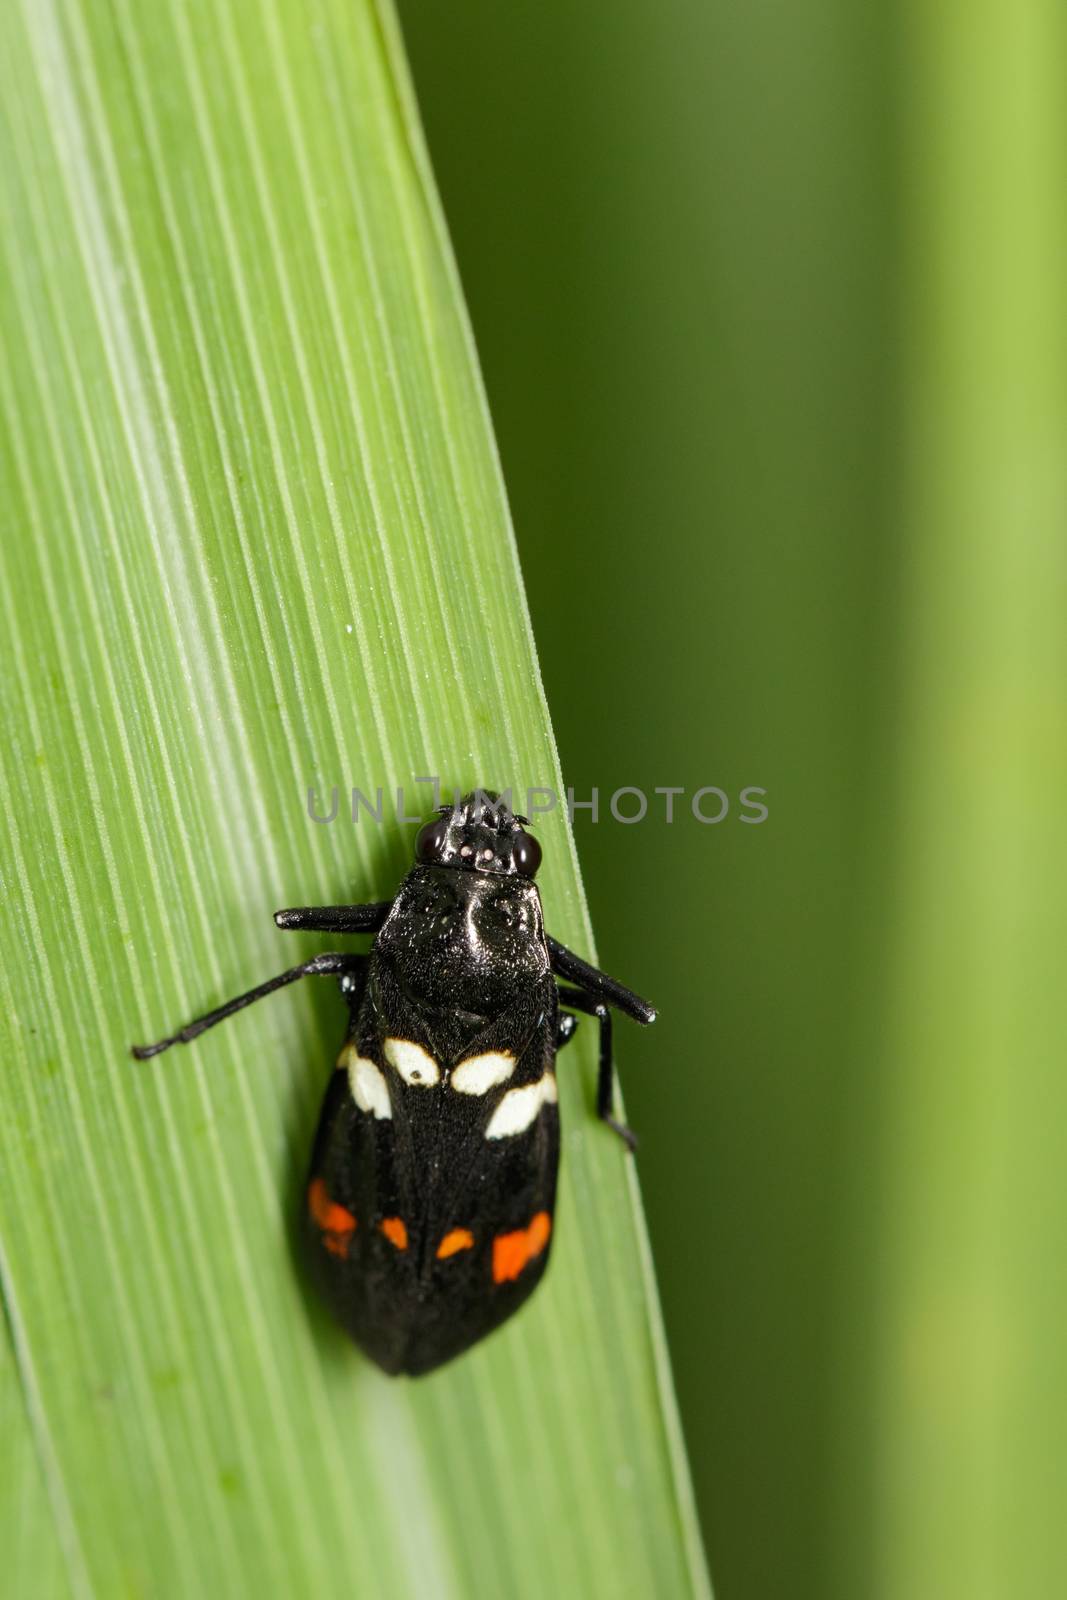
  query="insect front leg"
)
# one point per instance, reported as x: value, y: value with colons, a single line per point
x: 572, y: 969
x: 595, y: 1007
x: 353, y: 966
x: 335, y: 919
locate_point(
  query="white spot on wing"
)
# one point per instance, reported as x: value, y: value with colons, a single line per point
x: 367, y: 1082
x: 478, y: 1074
x: 519, y: 1108
x: 413, y: 1064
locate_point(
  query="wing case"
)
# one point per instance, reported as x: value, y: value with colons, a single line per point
x: 433, y: 1174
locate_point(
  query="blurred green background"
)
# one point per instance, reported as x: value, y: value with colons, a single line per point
x: 770, y: 304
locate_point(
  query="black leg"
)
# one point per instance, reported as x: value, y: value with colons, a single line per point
x: 565, y: 1029
x: 335, y: 919
x: 594, y: 1007
x: 353, y: 981
x: 327, y: 962
x: 566, y: 965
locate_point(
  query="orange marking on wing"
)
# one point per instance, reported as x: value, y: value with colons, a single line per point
x: 336, y: 1222
x: 538, y: 1232
x: 509, y: 1255
x: 455, y: 1239
x: 395, y: 1231
x: 512, y: 1251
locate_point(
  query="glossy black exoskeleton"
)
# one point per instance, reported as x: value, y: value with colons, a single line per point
x: 433, y: 1177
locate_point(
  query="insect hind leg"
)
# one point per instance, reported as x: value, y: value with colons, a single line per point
x: 593, y: 1007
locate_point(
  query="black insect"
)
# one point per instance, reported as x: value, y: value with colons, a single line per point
x: 433, y: 1176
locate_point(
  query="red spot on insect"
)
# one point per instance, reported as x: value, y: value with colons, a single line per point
x: 512, y: 1251
x: 395, y: 1231
x: 455, y: 1239
x: 336, y: 1223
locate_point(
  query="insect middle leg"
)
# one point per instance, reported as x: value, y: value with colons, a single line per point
x: 592, y: 1007
x: 344, y: 966
x: 566, y: 1028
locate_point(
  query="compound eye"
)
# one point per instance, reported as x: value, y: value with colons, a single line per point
x: 430, y: 841
x: 526, y: 854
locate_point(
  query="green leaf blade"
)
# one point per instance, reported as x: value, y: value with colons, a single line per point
x: 257, y: 541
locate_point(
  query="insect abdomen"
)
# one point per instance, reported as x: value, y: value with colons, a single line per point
x: 431, y: 1194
